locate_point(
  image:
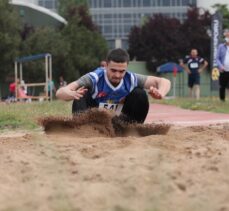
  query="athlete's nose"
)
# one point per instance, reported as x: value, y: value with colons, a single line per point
x: 118, y: 75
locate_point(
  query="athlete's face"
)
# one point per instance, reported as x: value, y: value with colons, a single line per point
x: 226, y: 34
x: 115, y: 72
x: 194, y: 53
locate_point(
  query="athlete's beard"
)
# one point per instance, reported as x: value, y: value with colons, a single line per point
x: 115, y: 82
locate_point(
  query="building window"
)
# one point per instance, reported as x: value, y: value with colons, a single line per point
x: 185, y: 2
x: 107, y: 29
x: 127, y: 3
x: 146, y: 3
x: 49, y: 4
x: 166, y: 3
x: 107, y: 3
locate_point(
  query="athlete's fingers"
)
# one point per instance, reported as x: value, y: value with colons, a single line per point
x: 77, y: 96
x: 82, y: 90
x: 155, y: 93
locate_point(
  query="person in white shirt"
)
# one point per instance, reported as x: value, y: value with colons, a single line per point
x: 223, y: 65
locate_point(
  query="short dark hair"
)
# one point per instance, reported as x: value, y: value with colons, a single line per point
x: 118, y: 55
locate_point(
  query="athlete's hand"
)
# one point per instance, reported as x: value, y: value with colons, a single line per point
x: 155, y: 93
x: 222, y: 69
x: 79, y: 93
x: 200, y: 70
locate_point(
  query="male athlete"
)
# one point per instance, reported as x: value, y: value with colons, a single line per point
x: 194, y: 65
x: 115, y: 88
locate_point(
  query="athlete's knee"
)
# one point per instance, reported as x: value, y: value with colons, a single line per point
x: 138, y: 94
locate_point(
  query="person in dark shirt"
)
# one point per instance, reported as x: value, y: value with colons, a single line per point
x: 194, y: 65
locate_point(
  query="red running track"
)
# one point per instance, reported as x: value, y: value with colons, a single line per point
x: 178, y: 116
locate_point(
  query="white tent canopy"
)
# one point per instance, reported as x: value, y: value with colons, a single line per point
x: 37, y: 15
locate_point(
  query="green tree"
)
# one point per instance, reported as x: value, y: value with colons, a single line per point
x: 76, y: 48
x: 9, y: 38
x: 44, y: 40
x: 162, y: 39
x: 159, y: 40
x: 63, y: 6
x: 223, y: 9
x: 87, y: 46
x: 195, y: 29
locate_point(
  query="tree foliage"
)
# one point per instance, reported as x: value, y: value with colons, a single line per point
x: 224, y: 10
x: 76, y: 48
x: 87, y: 46
x: 44, y: 40
x: 9, y: 38
x: 64, y: 6
x: 163, y: 39
x: 195, y: 28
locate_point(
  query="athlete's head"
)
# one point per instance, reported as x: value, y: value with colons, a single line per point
x: 194, y: 52
x: 117, y: 62
x: 103, y: 64
x: 226, y: 35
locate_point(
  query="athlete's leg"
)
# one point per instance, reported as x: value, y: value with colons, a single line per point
x: 136, y: 106
x: 83, y: 104
x: 222, y: 85
x: 190, y: 94
x: 190, y: 85
x: 196, y: 90
x: 196, y: 87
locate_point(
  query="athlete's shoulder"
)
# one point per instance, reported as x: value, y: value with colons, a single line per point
x: 187, y: 57
x: 97, y: 73
x: 222, y: 45
x: 99, y: 70
x: 130, y: 73
x: 200, y: 58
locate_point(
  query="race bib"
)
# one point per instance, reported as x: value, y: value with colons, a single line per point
x: 117, y: 108
x: 194, y: 65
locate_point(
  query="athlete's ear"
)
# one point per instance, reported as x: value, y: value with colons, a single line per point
x: 107, y: 64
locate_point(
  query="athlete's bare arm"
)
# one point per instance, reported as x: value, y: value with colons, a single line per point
x: 203, y: 66
x: 158, y: 87
x: 185, y: 67
x: 71, y: 92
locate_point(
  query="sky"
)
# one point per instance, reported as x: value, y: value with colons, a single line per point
x: 208, y: 3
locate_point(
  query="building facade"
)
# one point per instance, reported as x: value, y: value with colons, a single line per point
x: 38, y: 13
x: 49, y: 4
x: 116, y: 17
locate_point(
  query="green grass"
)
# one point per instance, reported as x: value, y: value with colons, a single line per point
x: 212, y: 104
x: 26, y: 115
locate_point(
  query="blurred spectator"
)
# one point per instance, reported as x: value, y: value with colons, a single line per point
x: 194, y: 65
x: 51, y: 88
x: 103, y: 64
x: 223, y: 65
x: 23, y: 86
x: 12, y: 90
x: 62, y: 82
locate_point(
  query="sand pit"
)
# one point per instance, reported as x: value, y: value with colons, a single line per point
x: 185, y: 168
x: 99, y: 123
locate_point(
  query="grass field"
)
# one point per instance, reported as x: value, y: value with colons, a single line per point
x: 212, y: 104
x: 26, y: 115
x: 84, y: 169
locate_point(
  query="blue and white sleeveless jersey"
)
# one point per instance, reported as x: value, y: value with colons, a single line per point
x: 104, y: 92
